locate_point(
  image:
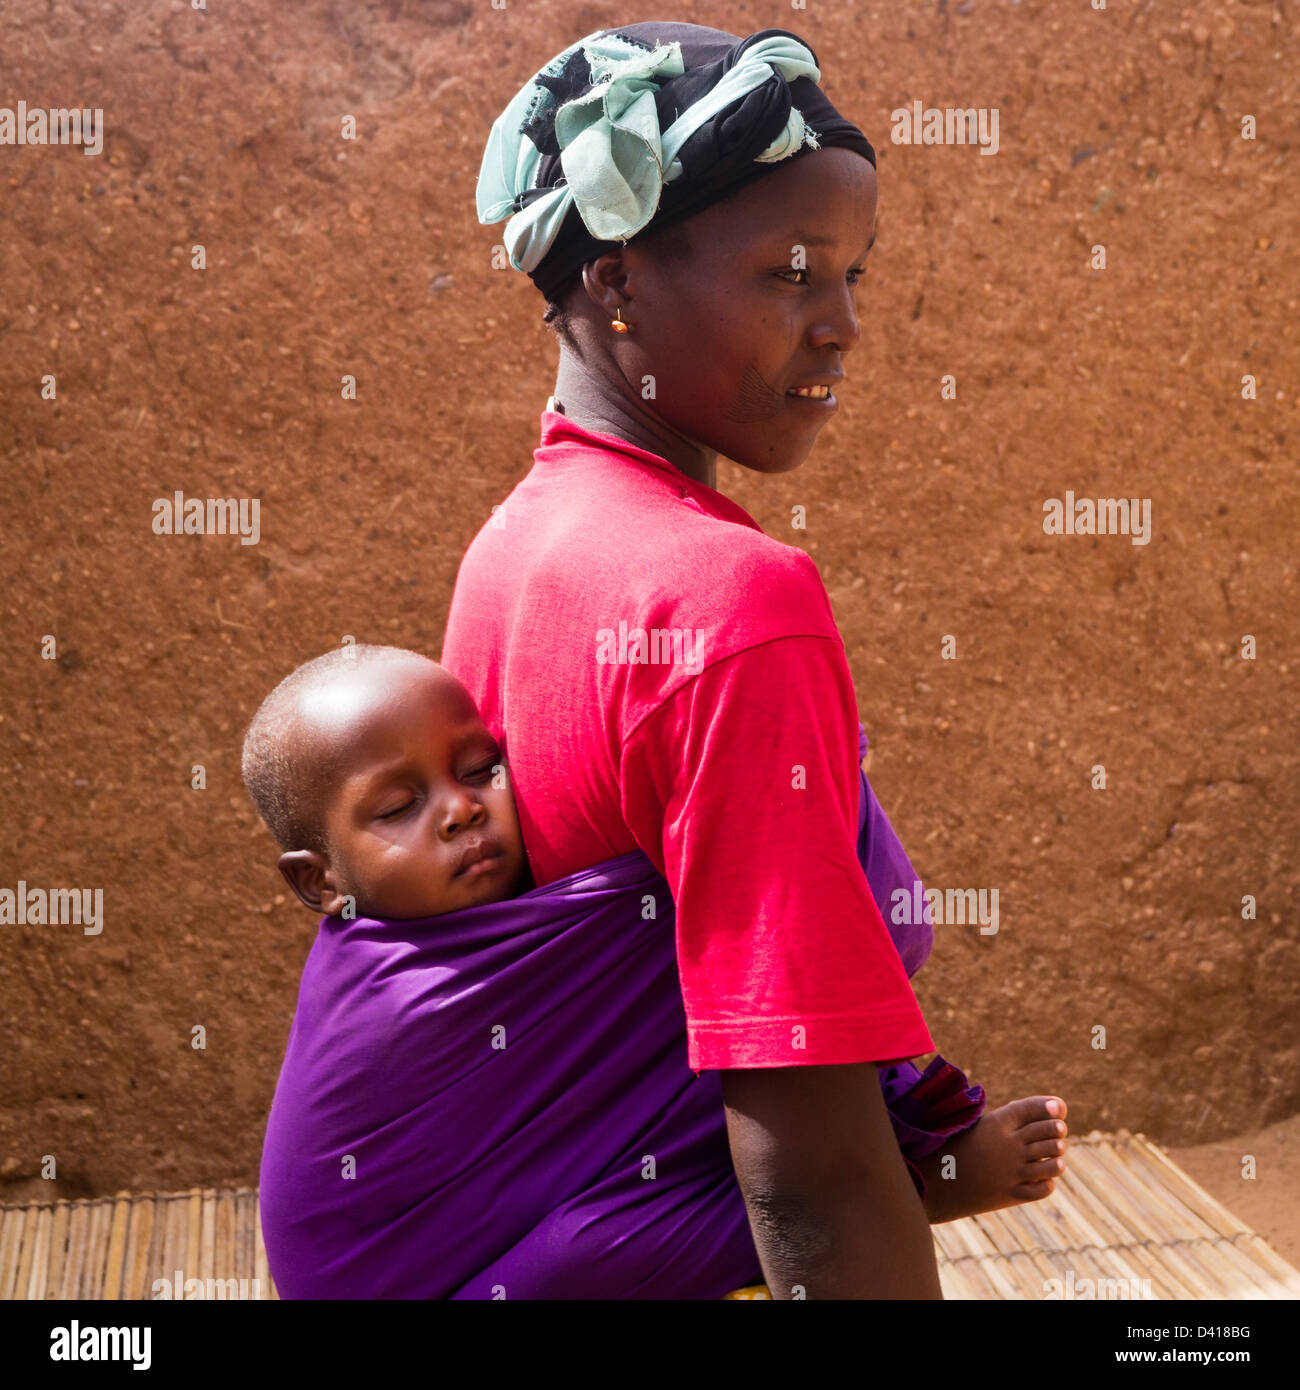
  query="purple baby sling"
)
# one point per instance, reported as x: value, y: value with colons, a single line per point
x: 496, y: 1102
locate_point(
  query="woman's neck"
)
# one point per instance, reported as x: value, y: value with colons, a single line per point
x: 596, y: 405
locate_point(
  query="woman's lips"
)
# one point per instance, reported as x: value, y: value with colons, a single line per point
x: 813, y: 403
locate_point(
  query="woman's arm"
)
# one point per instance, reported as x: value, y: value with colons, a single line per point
x: 831, y: 1207
x: 746, y: 784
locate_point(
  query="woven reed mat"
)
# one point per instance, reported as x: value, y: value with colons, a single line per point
x: 117, y: 1247
x: 1124, y: 1222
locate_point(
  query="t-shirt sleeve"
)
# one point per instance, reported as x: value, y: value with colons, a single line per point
x: 742, y: 788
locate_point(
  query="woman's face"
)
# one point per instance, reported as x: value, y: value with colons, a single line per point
x: 728, y: 331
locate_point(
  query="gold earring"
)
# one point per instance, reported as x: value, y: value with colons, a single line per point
x: 619, y: 326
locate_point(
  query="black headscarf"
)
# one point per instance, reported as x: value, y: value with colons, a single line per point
x: 718, y: 159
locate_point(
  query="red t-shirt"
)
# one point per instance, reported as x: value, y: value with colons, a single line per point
x: 728, y: 753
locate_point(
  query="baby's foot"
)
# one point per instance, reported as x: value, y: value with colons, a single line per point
x: 1011, y: 1156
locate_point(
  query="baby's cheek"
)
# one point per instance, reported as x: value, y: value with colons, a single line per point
x: 505, y: 815
x: 406, y: 871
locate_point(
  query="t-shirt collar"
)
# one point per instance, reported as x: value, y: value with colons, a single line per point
x: 560, y: 429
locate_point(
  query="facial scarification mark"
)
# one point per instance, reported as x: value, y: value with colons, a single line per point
x: 755, y: 399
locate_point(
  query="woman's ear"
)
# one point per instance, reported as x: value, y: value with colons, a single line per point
x: 605, y: 279
x: 311, y: 879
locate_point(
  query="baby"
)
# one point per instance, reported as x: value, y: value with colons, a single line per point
x: 384, y: 789
x: 389, y: 799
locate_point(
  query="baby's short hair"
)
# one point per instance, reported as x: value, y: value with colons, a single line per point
x: 287, y: 794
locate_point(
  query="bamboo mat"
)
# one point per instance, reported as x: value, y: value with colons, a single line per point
x: 1126, y: 1219
x: 117, y: 1247
x: 1124, y: 1222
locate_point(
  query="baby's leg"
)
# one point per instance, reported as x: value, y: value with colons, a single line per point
x: 1011, y: 1156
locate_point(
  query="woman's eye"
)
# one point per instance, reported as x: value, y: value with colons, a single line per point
x: 857, y: 273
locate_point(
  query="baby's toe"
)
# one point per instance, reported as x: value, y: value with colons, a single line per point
x: 1028, y: 1110
x: 1041, y: 1170
x: 1041, y: 1129
x: 1033, y: 1191
x: 1045, y: 1148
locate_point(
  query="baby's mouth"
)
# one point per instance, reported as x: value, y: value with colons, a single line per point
x: 479, y: 859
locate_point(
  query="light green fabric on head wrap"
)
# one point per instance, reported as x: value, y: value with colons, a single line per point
x: 615, y: 157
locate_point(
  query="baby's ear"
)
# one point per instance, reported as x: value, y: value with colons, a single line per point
x: 307, y: 873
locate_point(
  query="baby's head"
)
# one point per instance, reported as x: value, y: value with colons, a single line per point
x: 374, y: 772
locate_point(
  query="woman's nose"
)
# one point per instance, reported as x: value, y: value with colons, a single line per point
x: 840, y: 326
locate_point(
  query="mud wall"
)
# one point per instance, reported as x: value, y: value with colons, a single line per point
x: 324, y: 257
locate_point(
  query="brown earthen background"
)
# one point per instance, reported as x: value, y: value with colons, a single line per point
x: 1118, y: 908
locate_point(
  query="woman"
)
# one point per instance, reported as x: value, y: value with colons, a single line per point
x: 665, y: 677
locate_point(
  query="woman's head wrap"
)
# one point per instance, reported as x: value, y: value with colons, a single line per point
x: 646, y: 123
